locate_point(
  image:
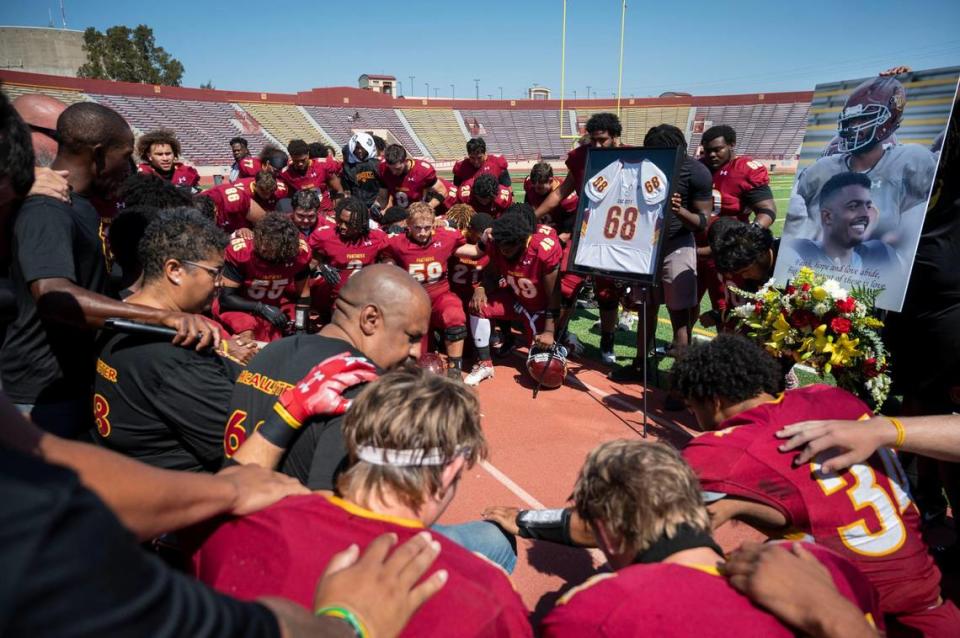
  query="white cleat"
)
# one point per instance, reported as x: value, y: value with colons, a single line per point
x: 479, y: 372
x: 608, y: 358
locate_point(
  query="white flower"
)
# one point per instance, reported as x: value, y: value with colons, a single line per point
x: 834, y: 290
x: 821, y: 308
x: 745, y: 311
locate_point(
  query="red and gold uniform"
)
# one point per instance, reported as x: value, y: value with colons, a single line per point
x: 332, y: 166
x: 248, y: 167
x: 412, y: 185
x: 501, y: 200
x: 182, y: 174
x: 692, y: 601
x: 492, y: 165
x: 465, y: 275
x: 281, y: 550
x: 451, y: 198
x: 428, y: 264
x: 313, y: 178
x: 524, y: 279
x: 577, y: 165
x: 346, y: 257
x: 282, y: 192
x: 864, y: 514
x: 232, y: 202
x: 561, y: 217
x: 272, y: 284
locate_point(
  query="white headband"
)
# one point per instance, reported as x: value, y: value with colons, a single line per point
x: 402, y: 458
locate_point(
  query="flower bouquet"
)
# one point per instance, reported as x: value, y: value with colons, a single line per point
x: 815, y: 322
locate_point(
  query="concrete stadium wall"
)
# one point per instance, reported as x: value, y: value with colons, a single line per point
x: 42, y: 50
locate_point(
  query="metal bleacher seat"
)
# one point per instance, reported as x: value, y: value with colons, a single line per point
x: 439, y: 130
x: 519, y: 134
x: 340, y: 123
x: 66, y: 96
x: 284, y: 121
x: 763, y: 130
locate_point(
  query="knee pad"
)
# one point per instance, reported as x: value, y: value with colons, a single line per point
x: 456, y: 333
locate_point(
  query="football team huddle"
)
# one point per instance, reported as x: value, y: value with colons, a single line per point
x: 245, y: 354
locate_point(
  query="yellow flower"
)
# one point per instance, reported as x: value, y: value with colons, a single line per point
x: 804, y: 276
x: 872, y: 322
x: 781, y: 330
x: 817, y: 341
x: 819, y: 293
x: 842, y: 351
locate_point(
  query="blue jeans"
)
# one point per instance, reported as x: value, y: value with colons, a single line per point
x: 484, y: 538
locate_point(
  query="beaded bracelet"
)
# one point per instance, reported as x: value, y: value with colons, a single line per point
x: 346, y: 616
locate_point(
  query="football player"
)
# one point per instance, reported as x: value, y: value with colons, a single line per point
x: 901, y: 174
x: 346, y: 246
x: 528, y: 263
x: 269, y: 194
x: 485, y: 195
x: 264, y: 293
x: 406, y: 180
x: 159, y: 151
x: 243, y: 203
x: 244, y: 165
x: 740, y: 185
x: 305, y: 211
x: 304, y: 173
x: 464, y: 271
x: 444, y: 202
x: 425, y: 252
x: 477, y: 162
x: 537, y: 186
x: 864, y: 513
x: 644, y: 505
x: 406, y: 441
x: 360, y: 174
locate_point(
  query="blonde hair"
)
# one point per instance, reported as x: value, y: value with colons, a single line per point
x: 459, y: 216
x: 410, y: 409
x: 641, y: 492
x: 419, y: 208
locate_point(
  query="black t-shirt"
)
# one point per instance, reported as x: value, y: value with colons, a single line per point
x: 361, y: 179
x: 162, y: 404
x: 43, y: 361
x: 318, y: 454
x: 71, y: 569
x: 695, y: 184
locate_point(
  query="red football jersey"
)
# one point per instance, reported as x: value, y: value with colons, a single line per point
x: 272, y: 284
x: 314, y: 178
x: 465, y: 274
x: 619, y: 604
x: 232, y: 202
x: 282, y: 192
x: 493, y: 165
x: 558, y: 216
x: 738, y: 176
x: 183, y: 175
x: 577, y: 165
x: 864, y: 514
x: 346, y: 257
x: 500, y: 202
x: 525, y: 275
x: 428, y: 263
x: 450, y: 199
x: 411, y: 186
x: 283, y: 549
x: 248, y: 167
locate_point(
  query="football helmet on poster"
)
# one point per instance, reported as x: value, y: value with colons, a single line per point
x: 431, y: 362
x: 548, y: 366
x: 871, y: 114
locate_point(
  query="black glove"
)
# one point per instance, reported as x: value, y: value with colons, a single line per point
x: 375, y: 212
x: 330, y: 274
x: 274, y: 315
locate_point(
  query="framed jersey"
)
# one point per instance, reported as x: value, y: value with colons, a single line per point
x: 623, y: 209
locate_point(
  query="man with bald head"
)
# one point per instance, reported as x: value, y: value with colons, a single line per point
x: 59, y: 274
x: 40, y: 113
x: 380, y: 315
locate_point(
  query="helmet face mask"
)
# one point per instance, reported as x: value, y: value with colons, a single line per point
x: 871, y: 114
x: 858, y: 126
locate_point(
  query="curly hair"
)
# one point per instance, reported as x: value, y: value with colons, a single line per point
x: 306, y: 199
x: 316, y: 150
x: 512, y: 228
x: 730, y: 368
x: 183, y: 234
x: 607, y: 122
x: 459, y: 216
x: 16, y: 149
x: 276, y: 239
x: 665, y: 136
x: 485, y: 186
x: 393, y: 215
x: 203, y: 204
x: 159, y: 136
x: 145, y: 189
x: 526, y: 211
x: 359, y: 215
x: 480, y: 222
x: 735, y: 245
x: 266, y: 181
x: 242, y: 141
x: 541, y: 173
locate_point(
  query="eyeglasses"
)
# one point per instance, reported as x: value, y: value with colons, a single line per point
x: 216, y: 273
x: 49, y: 132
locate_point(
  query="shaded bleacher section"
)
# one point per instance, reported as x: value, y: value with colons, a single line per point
x: 638, y: 120
x: 769, y: 131
x: 439, y: 130
x: 518, y: 134
x: 340, y: 124
x: 14, y: 91
x: 203, y: 128
x: 284, y: 121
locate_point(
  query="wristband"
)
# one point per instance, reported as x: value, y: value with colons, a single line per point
x: 280, y: 427
x: 546, y: 525
x: 347, y: 616
x: 901, y: 432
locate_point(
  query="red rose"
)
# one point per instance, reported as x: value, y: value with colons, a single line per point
x: 840, y: 325
x: 802, y: 318
x: 758, y: 308
x: 870, y: 368
x: 791, y: 290
x: 846, y: 305
x: 805, y: 287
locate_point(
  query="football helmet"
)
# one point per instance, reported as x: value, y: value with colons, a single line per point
x: 872, y: 112
x: 432, y: 362
x: 548, y: 366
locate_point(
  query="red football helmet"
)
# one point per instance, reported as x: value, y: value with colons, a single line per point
x: 871, y: 114
x: 431, y: 362
x: 548, y: 366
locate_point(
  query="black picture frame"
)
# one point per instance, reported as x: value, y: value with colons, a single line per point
x: 667, y: 160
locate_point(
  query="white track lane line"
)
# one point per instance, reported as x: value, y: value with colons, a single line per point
x: 508, y: 483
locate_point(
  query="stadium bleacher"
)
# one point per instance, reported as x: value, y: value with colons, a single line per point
x: 204, y: 128
x: 637, y: 121
x: 66, y: 96
x: 518, y: 133
x: 439, y: 130
x: 772, y: 131
x: 340, y: 123
x: 284, y: 121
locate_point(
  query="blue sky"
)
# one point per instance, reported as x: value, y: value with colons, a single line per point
x: 683, y: 45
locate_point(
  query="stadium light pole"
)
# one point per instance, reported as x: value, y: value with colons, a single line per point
x: 428, y: 89
x: 436, y: 92
x: 476, y: 86
x: 412, y: 77
x: 453, y: 92
x: 574, y: 94
x: 501, y: 92
x: 588, y: 91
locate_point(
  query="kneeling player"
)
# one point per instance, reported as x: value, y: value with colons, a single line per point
x: 424, y: 251
x: 485, y: 195
x: 263, y: 279
x: 529, y: 264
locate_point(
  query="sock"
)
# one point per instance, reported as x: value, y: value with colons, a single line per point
x: 606, y: 341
